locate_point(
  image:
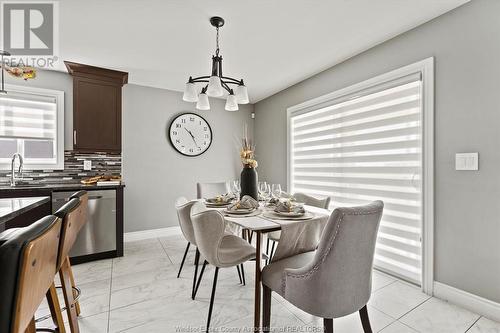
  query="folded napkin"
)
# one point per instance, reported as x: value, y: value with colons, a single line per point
x: 247, y: 202
x: 289, y: 207
x: 224, y: 198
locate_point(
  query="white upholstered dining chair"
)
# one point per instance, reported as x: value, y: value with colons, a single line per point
x: 210, y: 190
x: 335, y: 280
x: 305, y: 199
x: 219, y: 248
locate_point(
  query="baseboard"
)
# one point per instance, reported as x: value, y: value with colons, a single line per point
x: 479, y: 305
x: 152, y: 233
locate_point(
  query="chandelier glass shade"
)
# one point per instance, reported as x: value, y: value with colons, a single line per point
x: 216, y: 83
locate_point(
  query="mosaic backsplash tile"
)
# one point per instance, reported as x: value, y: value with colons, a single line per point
x: 102, y: 164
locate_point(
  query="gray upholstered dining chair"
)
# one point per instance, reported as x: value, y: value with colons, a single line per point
x: 183, y: 207
x: 334, y: 280
x: 305, y: 199
x: 220, y: 249
x: 210, y: 190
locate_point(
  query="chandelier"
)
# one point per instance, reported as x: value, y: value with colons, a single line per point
x: 216, y: 82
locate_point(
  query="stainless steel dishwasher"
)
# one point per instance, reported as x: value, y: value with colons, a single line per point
x: 98, y: 235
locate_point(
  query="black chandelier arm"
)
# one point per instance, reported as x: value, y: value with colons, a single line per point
x: 225, y: 86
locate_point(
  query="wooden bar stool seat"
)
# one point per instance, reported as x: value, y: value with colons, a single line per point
x: 28, y: 258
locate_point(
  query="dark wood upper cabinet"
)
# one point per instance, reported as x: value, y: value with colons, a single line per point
x: 97, y: 107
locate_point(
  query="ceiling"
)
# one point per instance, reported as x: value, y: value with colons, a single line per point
x: 270, y: 44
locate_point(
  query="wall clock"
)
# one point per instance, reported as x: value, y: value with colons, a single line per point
x: 190, y: 134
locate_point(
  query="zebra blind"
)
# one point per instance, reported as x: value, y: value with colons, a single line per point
x: 363, y: 147
x: 28, y: 116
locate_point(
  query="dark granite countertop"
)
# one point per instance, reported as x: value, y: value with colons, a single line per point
x: 58, y: 187
x: 13, y: 207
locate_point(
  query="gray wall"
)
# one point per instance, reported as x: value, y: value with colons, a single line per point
x: 155, y: 174
x: 57, y: 81
x: 466, y: 47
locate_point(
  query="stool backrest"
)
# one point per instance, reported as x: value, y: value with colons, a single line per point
x: 28, y: 260
x: 74, y: 216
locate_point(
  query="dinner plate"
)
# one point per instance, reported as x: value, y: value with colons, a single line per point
x: 240, y: 211
x: 289, y: 214
x: 272, y: 215
x: 217, y: 204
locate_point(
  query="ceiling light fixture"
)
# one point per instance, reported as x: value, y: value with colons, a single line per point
x: 216, y: 83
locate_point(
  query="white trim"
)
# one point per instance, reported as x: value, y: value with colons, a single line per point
x: 152, y: 233
x: 59, y: 96
x: 469, y: 301
x: 426, y: 68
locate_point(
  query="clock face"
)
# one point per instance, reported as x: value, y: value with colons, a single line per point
x: 190, y: 134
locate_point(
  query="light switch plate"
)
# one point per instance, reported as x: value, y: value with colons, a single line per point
x: 467, y: 161
x: 87, y: 165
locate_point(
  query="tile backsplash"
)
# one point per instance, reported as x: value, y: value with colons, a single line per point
x: 102, y: 164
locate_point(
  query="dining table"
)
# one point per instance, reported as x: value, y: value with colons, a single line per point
x: 261, y: 224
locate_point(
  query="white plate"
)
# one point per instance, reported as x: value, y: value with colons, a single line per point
x: 289, y: 214
x: 274, y: 216
x: 239, y: 211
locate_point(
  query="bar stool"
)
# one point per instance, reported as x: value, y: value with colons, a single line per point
x: 74, y: 216
x: 28, y: 257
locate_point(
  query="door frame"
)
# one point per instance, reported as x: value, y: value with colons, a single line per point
x: 426, y: 68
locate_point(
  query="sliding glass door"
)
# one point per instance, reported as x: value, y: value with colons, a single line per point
x: 364, y: 146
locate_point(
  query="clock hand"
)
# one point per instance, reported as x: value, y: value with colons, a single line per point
x: 192, y: 137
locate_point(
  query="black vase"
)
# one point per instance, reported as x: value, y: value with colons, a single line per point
x: 249, y: 180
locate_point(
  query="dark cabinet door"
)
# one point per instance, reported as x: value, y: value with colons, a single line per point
x: 96, y: 115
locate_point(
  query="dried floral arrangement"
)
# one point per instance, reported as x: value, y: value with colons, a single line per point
x: 247, y: 151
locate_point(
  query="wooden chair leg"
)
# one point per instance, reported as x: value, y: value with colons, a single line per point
x: 55, y: 309
x: 73, y: 285
x: 69, y: 299
x: 212, y: 297
x: 328, y: 325
x: 196, y: 261
x: 365, y: 320
x: 183, y: 259
x: 199, y: 279
x: 266, y: 309
x: 31, y: 327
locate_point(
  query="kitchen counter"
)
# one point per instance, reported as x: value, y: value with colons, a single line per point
x: 12, y: 208
x: 7, y: 191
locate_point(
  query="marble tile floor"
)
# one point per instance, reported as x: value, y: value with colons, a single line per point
x: 140, y: 293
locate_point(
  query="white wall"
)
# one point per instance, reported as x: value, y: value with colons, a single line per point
x: 154, y: 173
x: 466, y: 47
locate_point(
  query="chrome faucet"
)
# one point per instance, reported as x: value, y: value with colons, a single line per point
x: 13, y: 172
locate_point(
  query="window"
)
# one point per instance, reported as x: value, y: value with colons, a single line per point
x: 365, y: 143
x: 32, y: 124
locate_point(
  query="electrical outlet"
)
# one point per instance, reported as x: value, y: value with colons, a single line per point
x: 87, y: 165
x: 467, y: 161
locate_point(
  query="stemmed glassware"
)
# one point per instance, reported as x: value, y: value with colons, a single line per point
x: 236, y: 189
x: 263, y: 190
x: 276, y: 191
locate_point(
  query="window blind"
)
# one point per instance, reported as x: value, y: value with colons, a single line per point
x: 363, y: 147
x: 28, y: 116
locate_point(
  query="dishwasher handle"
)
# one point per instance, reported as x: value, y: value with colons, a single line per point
x: 91, y: 197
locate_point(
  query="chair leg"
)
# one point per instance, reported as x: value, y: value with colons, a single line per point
x: 267, y: 251
x: 196, y: 260
x: 328, y: 325
x: 266, y: 309
x: 55, y: 309
x: 365, y: 320
x: 239, y: 273
x: 250, y: 236
x: 212, y: 298
x: 199, y: 279
x: 31, y: 327
x: 69, y: 299
x: 243, y: 274
x: 272, y: 252
x: 183, y: 259
x: 73, y: 285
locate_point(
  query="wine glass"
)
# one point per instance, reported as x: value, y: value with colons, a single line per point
x: 276, y: 190
x: 263, y: 190
x: 236, y: 189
